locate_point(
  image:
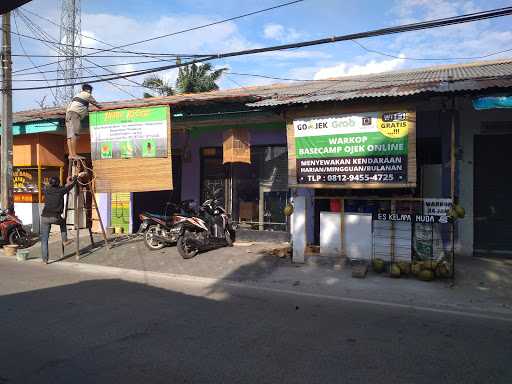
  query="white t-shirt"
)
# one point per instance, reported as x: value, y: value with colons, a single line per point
x: 81, y: 108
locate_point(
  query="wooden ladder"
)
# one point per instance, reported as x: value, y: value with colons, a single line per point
x: 82, y: 191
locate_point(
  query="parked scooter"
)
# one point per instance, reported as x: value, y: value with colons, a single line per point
x: 212, y: 228
x: 162, y: 230
x: 12, y: 231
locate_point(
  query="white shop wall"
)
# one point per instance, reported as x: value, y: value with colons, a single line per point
x: 470, y: 125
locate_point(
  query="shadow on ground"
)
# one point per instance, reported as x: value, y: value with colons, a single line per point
x: 118, y: 331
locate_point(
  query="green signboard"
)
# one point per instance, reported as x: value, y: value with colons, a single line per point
x: 129, y: 133
x: 367, y: 147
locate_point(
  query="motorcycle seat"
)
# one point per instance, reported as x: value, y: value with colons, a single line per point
x: 158, y: 216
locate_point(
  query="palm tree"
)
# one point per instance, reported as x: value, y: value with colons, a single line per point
x: 159, y: 86
x: 198, y: 78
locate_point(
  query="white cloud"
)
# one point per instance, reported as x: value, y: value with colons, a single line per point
x: 468, y: 40
x: 416, y: 10
x: 273, y: 31
x: 280, y: 33
x: 89, y: 40
x: 350, y: 69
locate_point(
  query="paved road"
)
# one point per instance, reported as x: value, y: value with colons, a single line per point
x: 59, y: 324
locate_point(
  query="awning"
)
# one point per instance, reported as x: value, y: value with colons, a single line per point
x: 491, y: 102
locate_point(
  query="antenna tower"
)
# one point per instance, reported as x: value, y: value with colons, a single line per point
x: 70, y: 53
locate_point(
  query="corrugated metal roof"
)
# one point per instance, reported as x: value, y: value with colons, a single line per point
x: 240, y: 95
x: 440, y: 79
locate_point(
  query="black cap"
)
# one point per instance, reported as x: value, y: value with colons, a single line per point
x: 54, y: 181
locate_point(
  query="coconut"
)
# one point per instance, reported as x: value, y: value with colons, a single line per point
x: 430, y: 264
x: 443, y: 270
x: 395, y: 270
x: 461, y: 212
x: 426, y: 275
x: 405, y: 267
x: 416, y: 268
x: 378, y: 265
x: 288, y: 210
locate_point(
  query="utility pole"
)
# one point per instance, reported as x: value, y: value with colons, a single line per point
x: 6, y: 143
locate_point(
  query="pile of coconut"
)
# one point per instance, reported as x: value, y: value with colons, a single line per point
x: 425, y: 270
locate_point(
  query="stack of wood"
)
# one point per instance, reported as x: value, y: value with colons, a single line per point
x: 281, y: 252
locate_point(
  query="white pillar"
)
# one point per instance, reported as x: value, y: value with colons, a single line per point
x: 299, y: 229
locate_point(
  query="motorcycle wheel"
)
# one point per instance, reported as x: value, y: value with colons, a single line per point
x: 185, y: 250
x: 19, y: 238
x: 152, y: 244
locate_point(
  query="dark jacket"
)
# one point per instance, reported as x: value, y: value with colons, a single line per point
x: 54, y: 199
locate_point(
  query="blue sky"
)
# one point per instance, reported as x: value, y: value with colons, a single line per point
x: 124, y: 21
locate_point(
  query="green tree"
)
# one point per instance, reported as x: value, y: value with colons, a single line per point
x: 158, y: 85
x: 198, y: 78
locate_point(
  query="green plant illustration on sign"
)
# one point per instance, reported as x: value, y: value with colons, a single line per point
x: 106, y: 150
x: 129, y: 133
x: 127, y: 149
x: 149, y: 148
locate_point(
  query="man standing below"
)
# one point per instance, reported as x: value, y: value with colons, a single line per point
x: 78, y: 110
x: 52, y: 212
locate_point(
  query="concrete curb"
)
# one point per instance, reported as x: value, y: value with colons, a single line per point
x: 145, y: 277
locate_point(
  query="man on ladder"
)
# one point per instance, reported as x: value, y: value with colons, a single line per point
x: 78, y: 109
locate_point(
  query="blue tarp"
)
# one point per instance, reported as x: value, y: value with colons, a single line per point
x: 490, y: 102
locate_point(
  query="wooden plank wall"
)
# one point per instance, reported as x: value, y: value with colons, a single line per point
x: 49, y: 150
x: 236, y: 146
x: 339, y: 110
x: 136, y: 175
x: 25, y: 151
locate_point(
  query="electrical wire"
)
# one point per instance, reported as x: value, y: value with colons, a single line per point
x: 136, y: 53
x: 430, y: 58
x: 49, y: 41
x: 139, y: 53
x: 103, y: 65
x: 105, y: 56
x: 192, y: 28
x: 23, y: 48
x: 379, y: 32
x: 209, y: 24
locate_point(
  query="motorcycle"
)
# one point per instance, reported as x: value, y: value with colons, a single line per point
x: 212, y: 228
x: 11, y: 230
x: 161, y: 230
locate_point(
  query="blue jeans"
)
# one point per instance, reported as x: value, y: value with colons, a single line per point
x: 46, y: 224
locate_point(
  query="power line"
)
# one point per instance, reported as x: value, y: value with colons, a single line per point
x: 124, y: 51
x: 49, y: 42
x: 430, y: 58
x: 103, y: 65
x: 278, y: 78
x: 109, y: 56
x: 210, y: 24
x: 379, y: 32
x: 189, y: 29
x: 138, y: 54
x: 23, y: 48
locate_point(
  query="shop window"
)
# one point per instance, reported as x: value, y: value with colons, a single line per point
x: 254, y: 193
x: 260, y: 189
x: 213, y: 174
